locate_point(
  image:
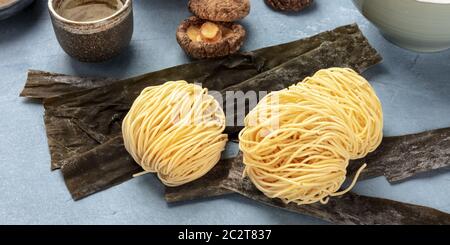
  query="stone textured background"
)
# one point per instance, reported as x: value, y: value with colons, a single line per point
x: 414, y: 89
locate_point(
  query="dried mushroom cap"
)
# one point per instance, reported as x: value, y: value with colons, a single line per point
x: 220, y: 10
x: 204, y: 39
x: 289, y: 5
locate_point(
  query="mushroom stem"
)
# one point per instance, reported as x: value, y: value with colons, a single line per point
x: 209, y: 30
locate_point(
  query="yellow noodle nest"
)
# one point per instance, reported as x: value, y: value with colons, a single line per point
x: 297, y: 142
x: 175, y: 130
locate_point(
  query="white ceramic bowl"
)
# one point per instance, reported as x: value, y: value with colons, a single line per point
x: 419, y: 25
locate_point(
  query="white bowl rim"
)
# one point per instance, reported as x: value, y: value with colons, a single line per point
x: 447, y: 2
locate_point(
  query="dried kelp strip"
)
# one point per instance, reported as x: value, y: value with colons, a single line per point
x: 86, y: 174
x: 69, y: 135
x: 42, y: 84
x: 347, y: 209
x: 209, y: 185
x: 399, y: 158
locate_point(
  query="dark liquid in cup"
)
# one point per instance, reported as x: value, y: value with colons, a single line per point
x: 90, y: 10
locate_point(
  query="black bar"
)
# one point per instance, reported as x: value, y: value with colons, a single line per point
x: 232, y: 234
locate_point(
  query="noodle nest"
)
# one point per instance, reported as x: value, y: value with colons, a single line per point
x: 297, y: 142
x: 175, y: 130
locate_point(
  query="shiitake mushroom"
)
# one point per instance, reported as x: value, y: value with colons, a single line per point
x: 207, y: 39
x: 220, y: 10
x: 289, y: 5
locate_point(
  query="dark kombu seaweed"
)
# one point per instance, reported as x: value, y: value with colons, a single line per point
x: 83, y: 122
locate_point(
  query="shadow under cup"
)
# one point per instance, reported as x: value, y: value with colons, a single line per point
x: 91, y: 39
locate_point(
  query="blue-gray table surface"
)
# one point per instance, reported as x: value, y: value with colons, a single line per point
x: 414, y: 89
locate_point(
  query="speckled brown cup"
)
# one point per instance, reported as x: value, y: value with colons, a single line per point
x: 93, y: 41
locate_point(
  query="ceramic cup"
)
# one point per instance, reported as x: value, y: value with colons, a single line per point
x: 418, y: 25
x: 93, y: 41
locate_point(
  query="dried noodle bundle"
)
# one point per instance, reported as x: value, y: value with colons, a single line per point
x: 298, y: 142
x: 175, y: 130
